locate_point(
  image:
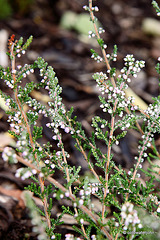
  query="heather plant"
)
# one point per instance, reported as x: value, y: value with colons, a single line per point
x: 122, y: 197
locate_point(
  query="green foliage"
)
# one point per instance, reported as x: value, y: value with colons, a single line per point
x: 39, y: 225
x: 5, y: 9
x: 103, y: 202
x: 37, y: 132
x: 9, y: 7
x: 100, y: 42
x: 33, y: 188
x: 155, y: 5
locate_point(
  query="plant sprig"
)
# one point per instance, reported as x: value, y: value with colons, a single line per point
x: 117, y: 191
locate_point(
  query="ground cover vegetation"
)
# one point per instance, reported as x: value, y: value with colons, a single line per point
x: 121, y: 194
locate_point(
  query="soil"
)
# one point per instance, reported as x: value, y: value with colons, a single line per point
x: 69, y: 55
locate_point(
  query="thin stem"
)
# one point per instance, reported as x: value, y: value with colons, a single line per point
x: 30, y: 135
x: 114, y: 109
x: 108, y: 160
x: 139, y: 159
x: 141, y: 154
x: 67, y: 170
x: 90, y: 165
x: 92, y: 146
x: 84, y: 232
x: 98, y: 37
x: 73, y: 198
x: 65, y: 160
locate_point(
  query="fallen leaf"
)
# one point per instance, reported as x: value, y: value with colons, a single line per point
x: 138, y: 101
x: 6, y: 139
x: 15, y: 193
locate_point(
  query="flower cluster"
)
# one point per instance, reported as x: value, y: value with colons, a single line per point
x: 25, y: 173
x: 100, y: 31
x: 16, y: 122
x: 130, y: 217
x: 91, y: 189
x: 56, y: 108
x: 21, y: 145
x: 146, y: 143
x: 91, y: 34
x: 86, y: 192
x: 7, y: 76
x: 20, y: 73
x: 117, y: 94
x: 23, y: 72
x: 19, y: 51
x: 131, y: 67
x: 9, y: 155
x: 86, y: 8
x: 108, y: 180
x: 37, y: 108
x: 70, y: 236
x: 97, y: 57
x: 153, y: 111
x: 112, y: 57
x: 127, y: 121
x: 101, y: 78
x: 154, y: 199
x: 60, y: 124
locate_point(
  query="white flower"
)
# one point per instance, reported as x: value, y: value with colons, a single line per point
x: 97, y: 9
x: 81, y: 220
x: 67, y: 129
x: 61, y: 196
x: 148, y: 144
x: 47, y: 161
x: 110, y: 111
x: 34, y: 171
x: 158, y: 209
x: 81, y: 201
x: 117, y: 142
x: 85, y: 7
x: 53, y: 166
x: 67, y: 194
x: 127, y: 125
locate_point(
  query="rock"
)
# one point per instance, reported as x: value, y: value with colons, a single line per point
x: 151, y: 26
x: 79, y: 22
x: 3, y: 48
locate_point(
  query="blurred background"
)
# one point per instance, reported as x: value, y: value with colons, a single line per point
x: 60, y: 35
